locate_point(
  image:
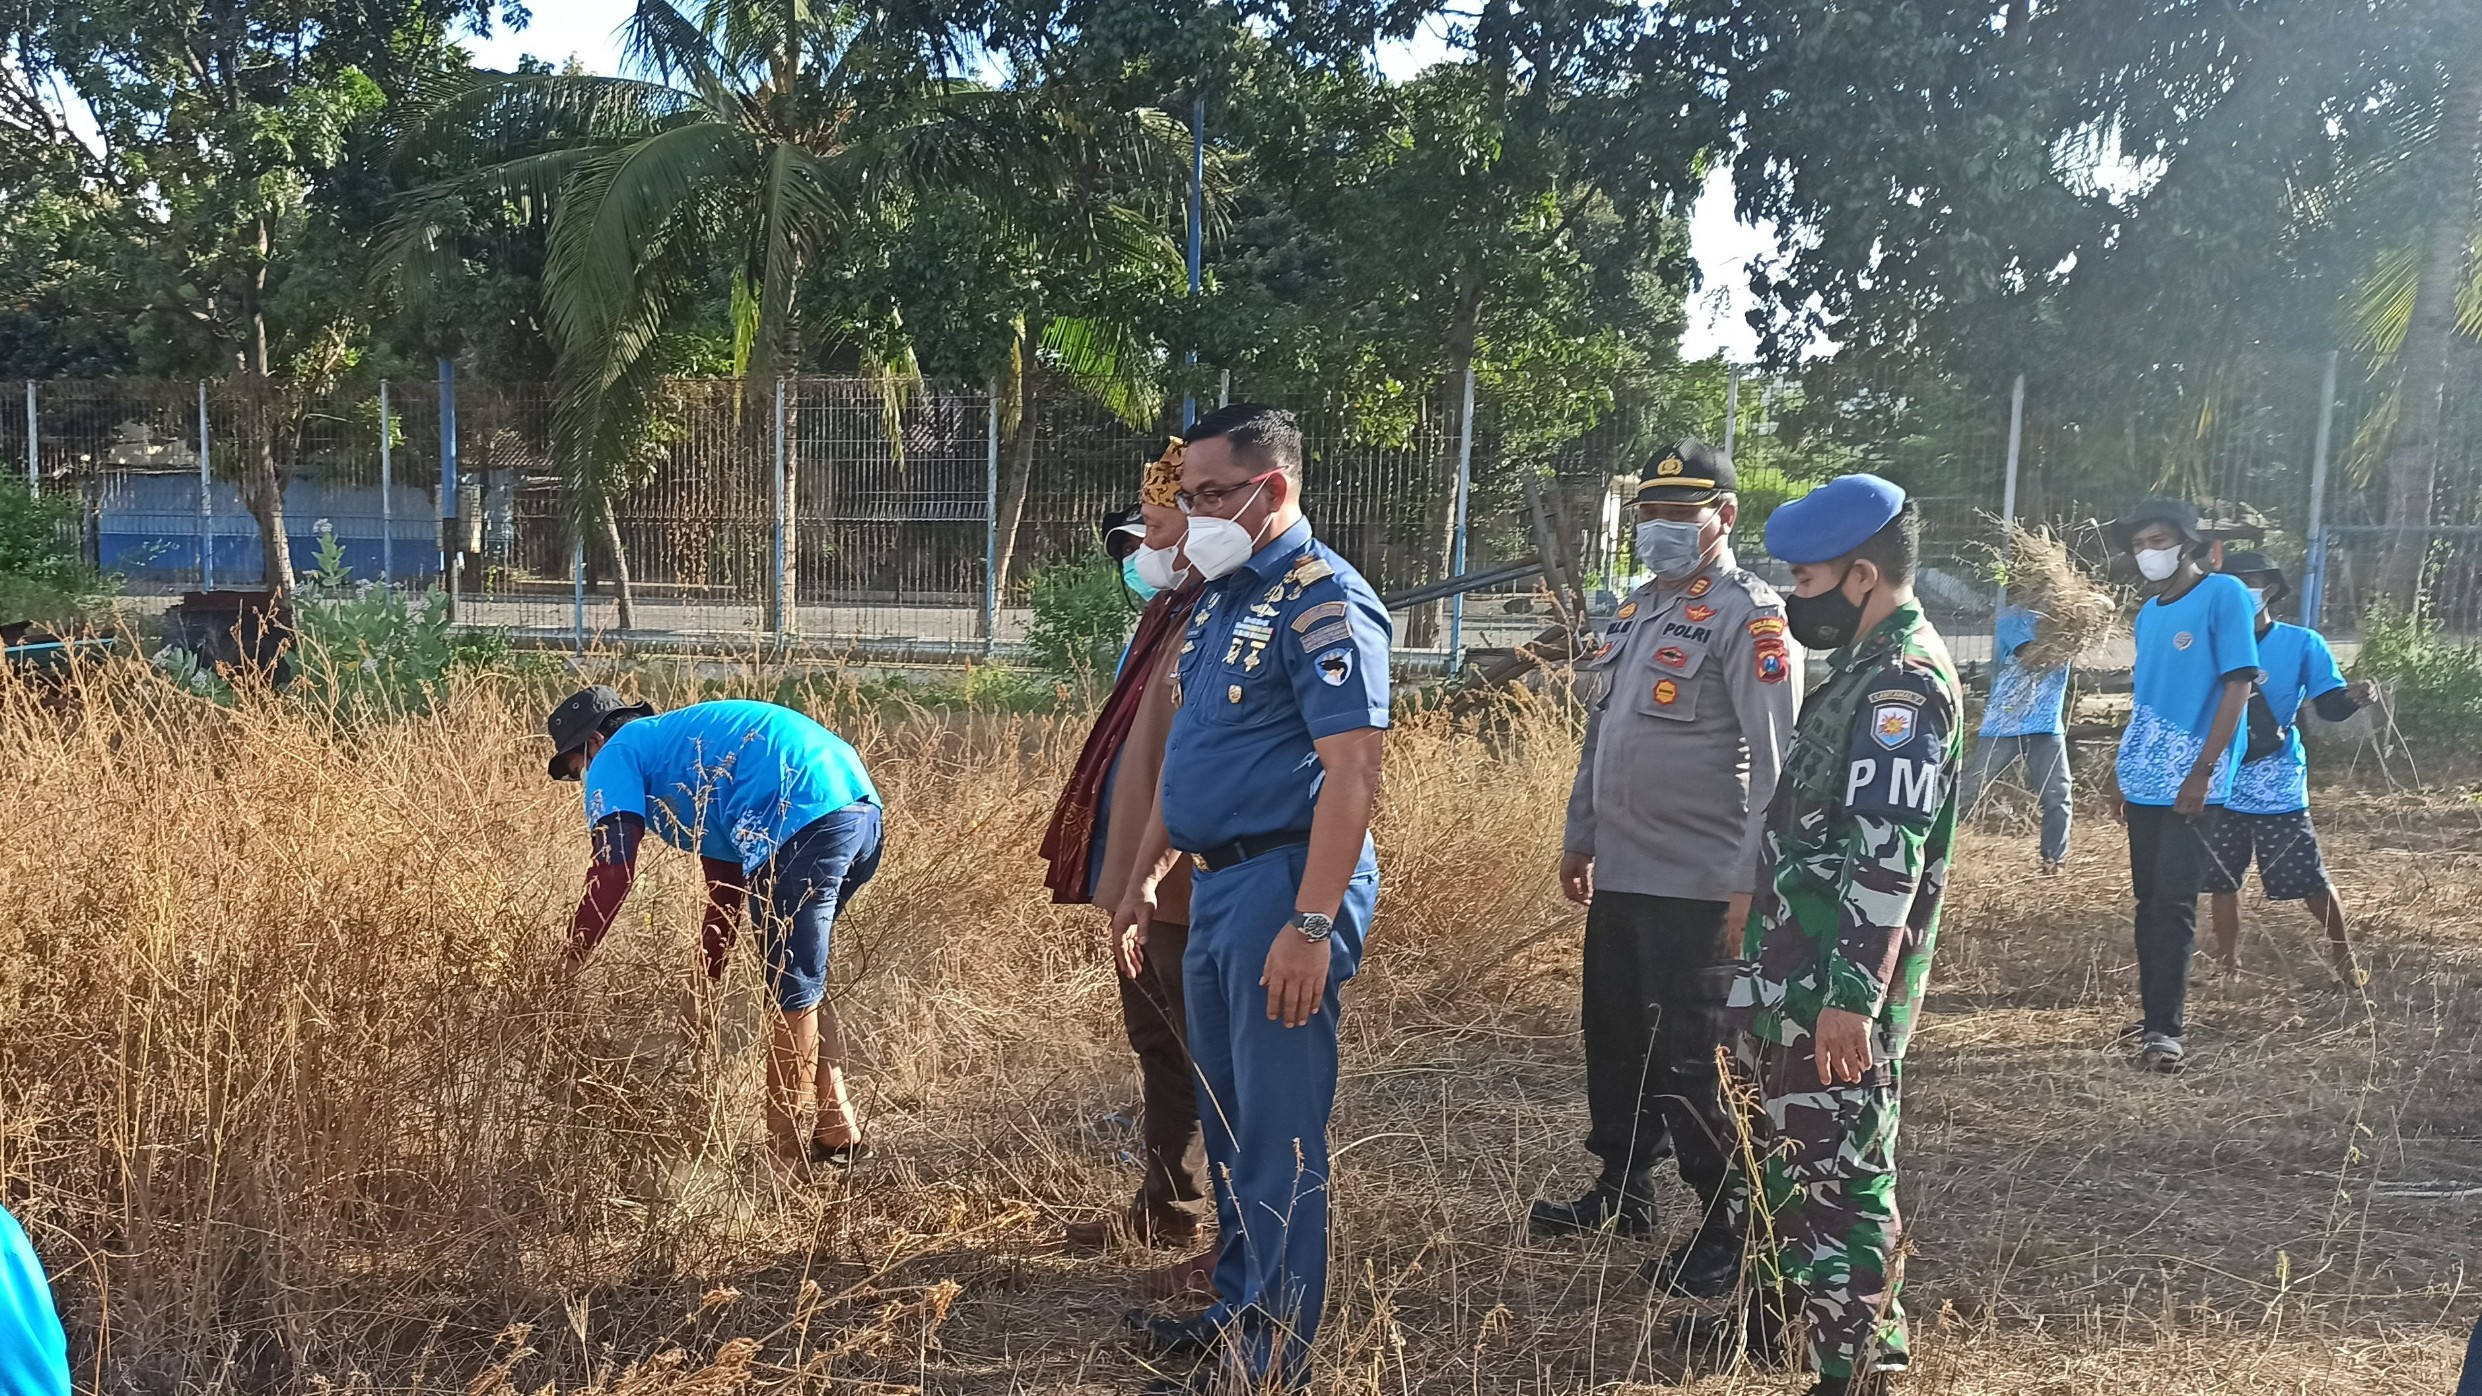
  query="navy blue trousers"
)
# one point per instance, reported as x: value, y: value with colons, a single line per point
x: 1265, y: 1092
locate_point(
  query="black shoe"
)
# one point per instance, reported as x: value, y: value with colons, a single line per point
x: 1626, y: 1211
x: 1754, y: 1329
x: 1701, y: 1269
x: 1194, y: 1336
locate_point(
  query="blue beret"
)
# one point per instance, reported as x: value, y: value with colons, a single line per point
x: 1833, y: 519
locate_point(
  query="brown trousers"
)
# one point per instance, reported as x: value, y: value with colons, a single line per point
x: 1157, y: 1016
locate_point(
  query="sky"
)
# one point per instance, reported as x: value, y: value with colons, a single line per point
x: 587, y: 31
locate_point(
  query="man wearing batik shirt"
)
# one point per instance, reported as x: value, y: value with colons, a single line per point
x: 2267, y: 817
x: 2023, y: 722
x: 1838, y: 947
x: 2197, y: 661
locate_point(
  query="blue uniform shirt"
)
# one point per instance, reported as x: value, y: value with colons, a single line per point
x: 730, y: 780
x: 34, y: 1352
x: 2298, y: 667
x: 2023, y: 703
x: 2184, y: 650
x: 1290, y: 648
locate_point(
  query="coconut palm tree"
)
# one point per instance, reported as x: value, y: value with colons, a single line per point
x: 2424, y: 295
x: 763, y: 138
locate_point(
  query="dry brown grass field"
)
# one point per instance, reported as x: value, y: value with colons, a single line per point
x: 295, y: 1096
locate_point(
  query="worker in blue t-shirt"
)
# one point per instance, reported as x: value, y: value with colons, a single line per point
x: 2268, y: 815
x: 2197, y: 660
x: 771, y: 802
x: 2022, y: 721
x: 34, y: 1352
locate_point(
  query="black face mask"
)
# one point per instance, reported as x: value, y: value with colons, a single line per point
x: 1826, y: 621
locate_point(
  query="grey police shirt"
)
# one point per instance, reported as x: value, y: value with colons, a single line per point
x: 1691, y: 697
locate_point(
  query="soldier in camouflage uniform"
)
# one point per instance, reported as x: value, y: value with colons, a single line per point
x: 1838, y: 947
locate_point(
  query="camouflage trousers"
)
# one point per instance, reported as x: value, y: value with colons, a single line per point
x: 1827, y: 1234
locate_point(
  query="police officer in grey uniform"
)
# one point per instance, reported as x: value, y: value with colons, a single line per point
x: 1692, y: 695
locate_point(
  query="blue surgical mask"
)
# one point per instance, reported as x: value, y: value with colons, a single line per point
x: 1129, y: 578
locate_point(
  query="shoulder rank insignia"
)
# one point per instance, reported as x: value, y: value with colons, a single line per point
x: 1312, y: 615
x: 1702, y: 586
x: 1309, y: 569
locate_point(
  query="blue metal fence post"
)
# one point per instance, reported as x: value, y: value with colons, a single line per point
x: 1456, y: 551
x: 2314, y: 568
x: 991, y: 522
x: 206, y: 500
x: 387, y: 483
x: 449, y: 549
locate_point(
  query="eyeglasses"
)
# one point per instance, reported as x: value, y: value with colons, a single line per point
x: 1211, y: 499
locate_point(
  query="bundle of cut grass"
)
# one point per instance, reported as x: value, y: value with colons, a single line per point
x: 2072, y: 612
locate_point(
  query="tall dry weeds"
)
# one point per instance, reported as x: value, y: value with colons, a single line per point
x: 296, y: 1095
x: 2072, y: 612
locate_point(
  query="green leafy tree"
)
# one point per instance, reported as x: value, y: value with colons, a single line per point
x: 764, y: 142
x: 207, y: 199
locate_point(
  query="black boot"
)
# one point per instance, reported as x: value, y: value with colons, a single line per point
x: 1754, y: 1329
x: 1625, y: 1207
x: 1706, y: 1267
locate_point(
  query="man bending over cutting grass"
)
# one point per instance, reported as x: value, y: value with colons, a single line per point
x: 771, y: 802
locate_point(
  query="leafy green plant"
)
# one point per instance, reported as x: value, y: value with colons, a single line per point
x: 365, y: 651
x: 1082, y: 616
x: 41, y: 575
x: 2434, y: 683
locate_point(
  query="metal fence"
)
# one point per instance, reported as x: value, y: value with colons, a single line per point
x: 905, y: 520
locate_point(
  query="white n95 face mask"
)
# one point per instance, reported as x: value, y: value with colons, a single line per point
x: 2155, y: 564
x: 2258, y: 597
x: 1154, y: 567
x: 1216, y: 546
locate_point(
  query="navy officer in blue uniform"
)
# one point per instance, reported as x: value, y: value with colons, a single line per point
x: 1269, y: 778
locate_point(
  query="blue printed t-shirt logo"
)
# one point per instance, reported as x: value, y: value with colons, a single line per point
x: 2183, y: 640
x: 1892, y: 725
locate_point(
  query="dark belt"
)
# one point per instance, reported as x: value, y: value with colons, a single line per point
x: 1240, y: 851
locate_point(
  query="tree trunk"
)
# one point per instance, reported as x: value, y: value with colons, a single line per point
x: 1423, y: 627
x: 2413, y: 458
x: 262, y: 488
x: 623, y: 602
x: 1018, y: 471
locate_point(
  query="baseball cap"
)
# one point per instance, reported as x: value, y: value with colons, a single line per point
x: 1122, y: 530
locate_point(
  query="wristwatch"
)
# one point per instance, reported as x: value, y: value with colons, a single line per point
x: 1314, y: 927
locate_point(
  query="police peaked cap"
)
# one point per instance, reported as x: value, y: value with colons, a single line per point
x: 1833, y: 519
x: 1692, y: 472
